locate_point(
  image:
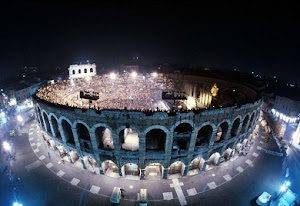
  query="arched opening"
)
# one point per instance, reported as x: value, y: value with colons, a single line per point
x: 176, y: 169
x: 84, y: 137
x: 61, y: 151
x: 227, y: 154
x: 129, y: 139
x: 235, y: 127
x: 245, y: 122
x: 85, y: 70
x: 231, y: 146
x: 67, y: 130
x: 154, y: 171
x: 104, y: 138
x: 91, y: 164
x: 73, y: 71
x: 73, y: 156
x: 239, y: 148
x: 204, y: 135
x: 56, y: 131
x: 48, y: 129
x: 251, y: 121
x: 110, y: 168
x: 222, y: 131
x: 91, y: 70
x: 155, y: 140
x: 79, y: 71
x: 213, y: 160
x: 182, y: 136
x: 131, y: 171
x: 196, y: 166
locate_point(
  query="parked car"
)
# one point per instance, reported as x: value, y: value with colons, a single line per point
x: 263, y: 199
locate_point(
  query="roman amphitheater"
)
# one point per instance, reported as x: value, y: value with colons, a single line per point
x: 146, y: 125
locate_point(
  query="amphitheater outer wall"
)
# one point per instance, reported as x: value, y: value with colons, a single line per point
x: 116, y: 120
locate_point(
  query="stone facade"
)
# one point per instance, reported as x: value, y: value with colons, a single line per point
x: 231, y: 124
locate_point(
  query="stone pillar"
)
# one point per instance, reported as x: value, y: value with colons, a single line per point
x: 142, y: 174
x: 44, y: 122
x: 228, y: 133
x: 67, y: 150
x: 82, y: 161
x: 212, y: 138
x: 76, y: 138
x: 165, y: 173
x: 93, y: 141
x: 204, y: 166
x: 51, y: 128
x: 64, y: 139
x: 186, y: 170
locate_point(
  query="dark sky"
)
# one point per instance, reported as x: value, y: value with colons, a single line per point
x: 246, y: 36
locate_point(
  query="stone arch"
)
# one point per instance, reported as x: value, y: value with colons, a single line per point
x: 91, y: 70
x: 154, y: 171
x: 110, y: 168
x: 222, y: 131
x: 156, y: 139
x: 214, y: 158
x: 245, y: 123
x: 197, y: 163
x: 104, y: 138
x: 180, y: 122
x: 67, y: 130
x: 235, y: 126
x: 91, y: 164
x: 176, y: 168
x: 55, y: 128
x: 83, y: 135
x: 182, y: 136
x: 85, y: 70
x: 46, y: 121
x: 131, y: 169
x: 128, y: 138
x: 204, y: 134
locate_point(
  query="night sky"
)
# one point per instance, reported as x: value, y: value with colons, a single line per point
x: 245, y: 36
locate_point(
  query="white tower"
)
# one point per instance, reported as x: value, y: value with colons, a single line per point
x: 82, y: 70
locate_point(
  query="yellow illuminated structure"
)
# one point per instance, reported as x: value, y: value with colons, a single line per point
x: 214, y: 90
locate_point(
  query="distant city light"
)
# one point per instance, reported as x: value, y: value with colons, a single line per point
x: 284, y: 117
x: 112, y: 76
x: 2, y: 114
x: 20, y: 118
x: 12, y: 102
x: 133, y: 74
x: 6, y: 146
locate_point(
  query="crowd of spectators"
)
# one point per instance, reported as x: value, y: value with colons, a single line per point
x: 142, y: 92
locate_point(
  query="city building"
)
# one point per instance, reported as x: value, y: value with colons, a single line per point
x: 82, y: 70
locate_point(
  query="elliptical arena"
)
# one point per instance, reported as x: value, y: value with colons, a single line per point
x: 146, y: 126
